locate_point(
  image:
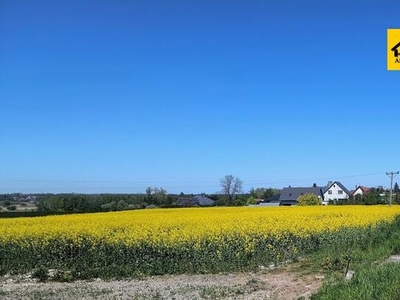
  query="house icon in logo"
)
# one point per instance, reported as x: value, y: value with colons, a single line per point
x: 396, y: 49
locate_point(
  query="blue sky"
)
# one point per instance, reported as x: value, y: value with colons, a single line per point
x: 115, y: 96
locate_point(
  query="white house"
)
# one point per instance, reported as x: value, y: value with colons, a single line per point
x: 360, y: 190
x: 335, y: 191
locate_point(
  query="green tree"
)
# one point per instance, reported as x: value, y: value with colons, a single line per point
x: 112, y: 206
x: 12, y: 207
x: 50, y: 204
x: 157, y: 196
x: 308, y: 199
x: 262, y: 193
x: 373, y: 197
x: 396, y: 192
x: 121, y: 205
x: 251, y: 201
x: 358, y: 199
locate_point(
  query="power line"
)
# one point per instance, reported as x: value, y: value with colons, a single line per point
x: 190, y: 181
x: 312, y: 178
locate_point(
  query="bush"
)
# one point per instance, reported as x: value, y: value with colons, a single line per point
x: 63, y: 276
x: 308, y: 199
x: 41, y: 273
x: 251, y: 201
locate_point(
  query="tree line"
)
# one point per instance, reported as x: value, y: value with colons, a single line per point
x: 231, y: 194
x: 101, y: 202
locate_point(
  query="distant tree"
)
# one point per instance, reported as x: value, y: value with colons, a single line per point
x: 358, y: 199
x: 308, y: 199
x: 396, y: 188
x: 240, y: 200
x: 111, y: 206
x: 75, y: 202
x: 12, y: 207
x: 121, y: 205
x: 262, y: 193
x: 396, y: 192
x: 270, y: 192
x: 231, y: 186
x: 54, y: 203
x: 373, y: 197
x: 157, y: 196
x: 149, y: 196
x: 251, y: 201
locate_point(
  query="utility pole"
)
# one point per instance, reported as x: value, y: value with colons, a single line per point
x: 391, y: 175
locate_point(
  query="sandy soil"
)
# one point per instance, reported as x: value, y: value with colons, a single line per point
x: 278, y: 284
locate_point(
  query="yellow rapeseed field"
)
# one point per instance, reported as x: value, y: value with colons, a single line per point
x: 174, y: 226
x: 190, y: 240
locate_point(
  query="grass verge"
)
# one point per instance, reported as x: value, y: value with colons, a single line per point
x: 374, y: 277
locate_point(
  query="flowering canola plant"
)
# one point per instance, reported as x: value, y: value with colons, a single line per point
x: 168, y: 238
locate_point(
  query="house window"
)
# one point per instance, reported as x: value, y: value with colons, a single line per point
x: 340, y: 192
x: 330, y: 192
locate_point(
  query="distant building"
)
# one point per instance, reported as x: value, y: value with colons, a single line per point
x: 360, y: 190
x: 271, y: 201
x: 199, y: 200
x: 332, y: 191
x: 335, y: 191
x: 290, y: 195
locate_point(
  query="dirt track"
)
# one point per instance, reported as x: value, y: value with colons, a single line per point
x: 278, y: 284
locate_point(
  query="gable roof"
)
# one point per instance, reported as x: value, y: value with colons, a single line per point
x: 364, y: 189
x: 274, y: 199
x: 290, y: 194
x: 194, y: 201
x: 186, y: 201
x: 338, y: 183
x: 203, y: 200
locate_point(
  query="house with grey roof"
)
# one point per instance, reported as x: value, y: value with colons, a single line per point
x: 335, y: 191
x: 186, y: 201
x: 199, y: 200
x: 203, y: 200
x: 290, y: 195
x: 271, y: 201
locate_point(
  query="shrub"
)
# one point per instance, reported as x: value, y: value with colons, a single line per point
x: 63, y: 276
x: 308, y: 199
x: 251, y: 201
x: 41, y: 273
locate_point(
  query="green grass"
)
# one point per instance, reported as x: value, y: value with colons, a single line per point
x: 374, y: 282
x: 374, y: 277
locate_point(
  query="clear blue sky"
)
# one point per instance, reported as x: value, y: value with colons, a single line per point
x: 115, y: 96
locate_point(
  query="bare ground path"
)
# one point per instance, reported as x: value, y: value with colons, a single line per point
x: 277, y: 284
